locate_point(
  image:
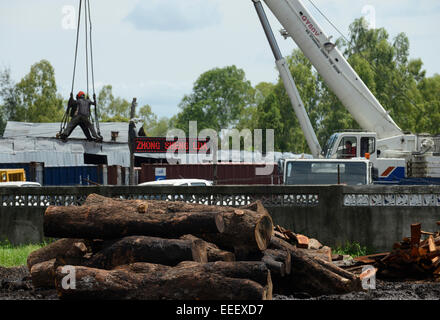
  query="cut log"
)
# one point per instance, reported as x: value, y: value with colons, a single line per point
x: 105, y: 218
x: 339, y: 271
x: 253, y: 270
x: 314, y: 244
x: 416, y: 232
x: 303, y: 241
x: 213, y: 251
x: 372, y: 258
x: 432, y: 248
x: 152, y: 206
x: 312, y: 276
x: 178, y: 283
x: 148, y: 249
x: 228, y: 243
x: 325, y: 253
x: 250, y: 229
x: 115, y: 221
x: 277, y: 261
x: 62, y: 247
x: 280, y: 235
x: 43, y: 274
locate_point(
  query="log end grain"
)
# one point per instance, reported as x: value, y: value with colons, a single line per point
x: 264, y: 232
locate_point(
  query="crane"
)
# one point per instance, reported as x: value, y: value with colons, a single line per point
x: 397, y: 155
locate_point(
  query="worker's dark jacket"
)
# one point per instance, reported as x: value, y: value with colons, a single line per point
x: 81, y: 105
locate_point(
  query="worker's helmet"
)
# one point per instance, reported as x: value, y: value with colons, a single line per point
x: 80, y: 94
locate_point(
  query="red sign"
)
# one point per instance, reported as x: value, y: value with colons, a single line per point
x: 161, y: 145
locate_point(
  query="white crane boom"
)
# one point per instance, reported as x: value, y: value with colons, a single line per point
x: 289, y: 84
x: 334, y: 68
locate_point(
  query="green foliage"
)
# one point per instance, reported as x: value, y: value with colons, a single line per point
x: 353, y: 249
x: 219, y: 99
x: 11, y: 256
x: 34, y: 98
x: 112, y: 109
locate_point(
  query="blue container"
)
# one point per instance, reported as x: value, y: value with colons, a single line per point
x: 71, y: 176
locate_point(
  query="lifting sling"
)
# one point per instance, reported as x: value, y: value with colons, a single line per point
x: 88, y: 38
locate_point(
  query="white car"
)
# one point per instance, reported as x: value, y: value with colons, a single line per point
x: 20, y: 184
x: 178, y: 182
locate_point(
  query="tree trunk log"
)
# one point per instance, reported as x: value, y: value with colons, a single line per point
x: 43, y: 274
x: 61, y: 247
x: 213, y: 251
x: 325, y: 253
x: 111, y: 222
x: 148, y: 249
x: 177, y: 283
x: 313, y: 277
x: 253, y: 270
x: 106, y: 218
x: 250, y: 229
x: 278, y: 261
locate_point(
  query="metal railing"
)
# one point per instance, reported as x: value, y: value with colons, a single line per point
x: 270, y: 195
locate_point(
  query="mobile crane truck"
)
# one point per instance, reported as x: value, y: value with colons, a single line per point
x: 396, y: 157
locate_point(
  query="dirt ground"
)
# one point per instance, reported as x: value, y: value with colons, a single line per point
x: 15, y: 284
x: 385, y: 290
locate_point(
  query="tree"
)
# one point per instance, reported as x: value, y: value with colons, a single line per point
x: 34, y: 98
x: 430, y: 91
x: 160, y: 128
x: 269, y: 117
x: 219, y: 98
x: 112, y: 109
x: 8, y: 96
x: 386, y: 69
x: 116, y: 109
x: 250, y: 116
x: 149, y: 119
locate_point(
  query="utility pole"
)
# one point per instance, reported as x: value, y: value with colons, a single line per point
x: 131, y: 137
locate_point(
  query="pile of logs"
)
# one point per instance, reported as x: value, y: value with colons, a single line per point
x: 136, y: 249
x: 413, y: 256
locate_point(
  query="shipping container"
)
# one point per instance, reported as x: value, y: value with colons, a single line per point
x: 221, y: 174
x: 70, y: 176
x: 120, y: 176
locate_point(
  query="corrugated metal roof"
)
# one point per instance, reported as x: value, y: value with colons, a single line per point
x: 24, y: 142
x: 16, y: 129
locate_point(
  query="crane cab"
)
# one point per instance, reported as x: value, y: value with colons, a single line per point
x: 347, y: 145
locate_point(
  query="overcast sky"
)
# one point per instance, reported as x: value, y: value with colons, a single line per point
x: 155, y: 49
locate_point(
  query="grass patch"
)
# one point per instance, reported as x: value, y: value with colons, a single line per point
x: 13, y: 256
x: 353, y: 249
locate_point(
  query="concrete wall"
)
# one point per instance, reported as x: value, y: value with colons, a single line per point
x: 21, y: 225
x: 327, y: 213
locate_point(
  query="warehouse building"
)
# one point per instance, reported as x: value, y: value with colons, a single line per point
x: 50, y: 161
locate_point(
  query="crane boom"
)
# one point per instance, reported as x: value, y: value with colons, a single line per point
x: 289, y: 84
x: 334, y: 68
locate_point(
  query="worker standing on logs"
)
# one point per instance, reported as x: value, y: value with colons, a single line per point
x: 80, y: 110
